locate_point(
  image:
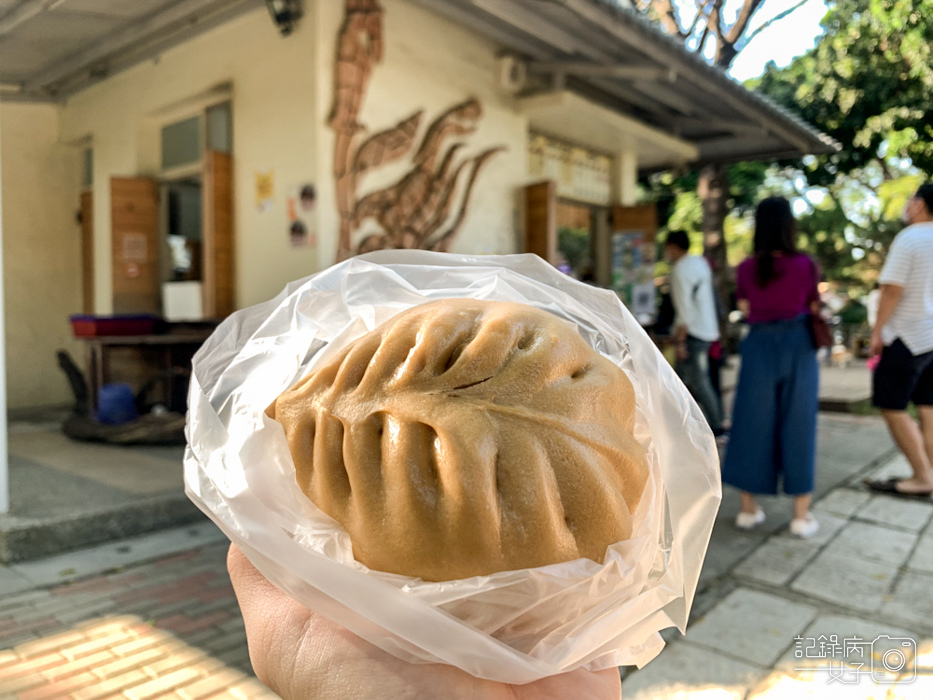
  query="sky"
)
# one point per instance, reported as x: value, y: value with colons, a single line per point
x: 783, y: 40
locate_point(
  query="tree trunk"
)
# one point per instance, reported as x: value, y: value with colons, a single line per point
x: 713, y: 190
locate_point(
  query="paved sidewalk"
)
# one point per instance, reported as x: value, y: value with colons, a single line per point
x: 169, y: 628
x: 867, y: 575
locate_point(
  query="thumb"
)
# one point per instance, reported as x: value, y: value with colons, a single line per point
x: 265, y: 608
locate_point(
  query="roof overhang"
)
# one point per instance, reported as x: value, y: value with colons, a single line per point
x: 570, y: 116
x: 610, y: 55
x: 50, y: 49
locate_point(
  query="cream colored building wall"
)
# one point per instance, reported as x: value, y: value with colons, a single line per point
x: 272, y: 81
x: 432, y: 64
x: 41, y: 252
x: 281, y: 98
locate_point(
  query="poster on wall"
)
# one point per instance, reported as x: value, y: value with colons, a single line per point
x: 265, y: 190
x: 643, y: 301
x: 301, y: 206
x: 633, y: 259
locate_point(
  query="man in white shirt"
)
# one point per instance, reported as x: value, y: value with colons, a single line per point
x: 903, y: 336
x: 695, y: 324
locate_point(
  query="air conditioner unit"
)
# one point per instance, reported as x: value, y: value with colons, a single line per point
x: 513, y: 73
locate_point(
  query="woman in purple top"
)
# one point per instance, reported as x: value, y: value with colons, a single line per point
x: 773, y: 436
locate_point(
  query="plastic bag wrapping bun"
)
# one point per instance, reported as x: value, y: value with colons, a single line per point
x: 512, y: 626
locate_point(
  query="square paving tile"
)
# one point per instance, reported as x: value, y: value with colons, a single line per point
x: 684, y: 670
x: 842, y: 502
x: 922, y: 558
x: 912, y: 600
x: 925, y: 655
x: 819, y: 685
x: 12, y: 582
x: 752, y: 626
x: 919, y: 688
x: 802, y: 673
x: 829, y: 525
x: 827, y: 630
x: 847, y: 579
x: 778, y: 560
x: 890, y: 510
x: 896, y: 467
x: 873, y: 542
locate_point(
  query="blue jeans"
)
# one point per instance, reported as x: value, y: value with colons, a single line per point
x: 773, y: 436
x: 694, y: 372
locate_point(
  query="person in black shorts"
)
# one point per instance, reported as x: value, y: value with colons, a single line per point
x: 903, y: 336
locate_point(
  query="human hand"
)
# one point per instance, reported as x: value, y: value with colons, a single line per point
x: 301, y: 655
x: 682, y: 352
x: 876, y: 345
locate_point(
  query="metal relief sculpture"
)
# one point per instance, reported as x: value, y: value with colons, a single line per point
x: 426, y: 208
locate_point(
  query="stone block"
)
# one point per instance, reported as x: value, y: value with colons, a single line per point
x: 873, y: 542
x: 847, y: 580
x: 842, y: 502
x: 685, y: 670
x: 777, y: 561
x: 752, y: 626
x: 922, y: 558
x: 912, y: 601
x: 897, y: 512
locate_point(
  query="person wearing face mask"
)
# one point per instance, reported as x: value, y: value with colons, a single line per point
x: 903, y: 337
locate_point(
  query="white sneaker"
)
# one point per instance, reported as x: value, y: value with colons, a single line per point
x: 804, y: 528
x: 746, y: 521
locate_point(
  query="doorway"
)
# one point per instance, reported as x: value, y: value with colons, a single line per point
x: 576, y: 239
x: 181, y: 230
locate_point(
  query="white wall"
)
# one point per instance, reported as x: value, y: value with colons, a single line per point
x: 273, y: 129
x: 41, y: 252
x: 281, y: 97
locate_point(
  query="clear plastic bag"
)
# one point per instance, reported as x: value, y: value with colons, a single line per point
x: 513, y: 626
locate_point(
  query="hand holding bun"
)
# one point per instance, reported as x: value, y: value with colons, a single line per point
x: 466, y: 437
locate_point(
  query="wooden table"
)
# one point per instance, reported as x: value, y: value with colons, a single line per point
x: 100, y: 347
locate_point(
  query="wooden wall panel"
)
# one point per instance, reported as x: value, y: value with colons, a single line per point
x: 541, y: 220
x: 641, y: 217
x: 87, y: 251
x: 217, y: 233
x: 134, y: 225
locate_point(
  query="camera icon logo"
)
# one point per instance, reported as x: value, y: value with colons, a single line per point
x: 893, y: 659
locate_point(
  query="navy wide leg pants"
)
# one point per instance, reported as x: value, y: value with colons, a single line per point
x: 773, y: 435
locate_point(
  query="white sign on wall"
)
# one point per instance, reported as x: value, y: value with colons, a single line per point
x: 581, y: 174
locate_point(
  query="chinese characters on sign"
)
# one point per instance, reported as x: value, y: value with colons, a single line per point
x: 581, y: 174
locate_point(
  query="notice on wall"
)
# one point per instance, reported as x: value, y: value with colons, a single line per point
x: 265, y: 190
x: 633, y: 259
x: 134, y: 248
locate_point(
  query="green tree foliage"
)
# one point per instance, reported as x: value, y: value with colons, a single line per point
x: 868, y: 83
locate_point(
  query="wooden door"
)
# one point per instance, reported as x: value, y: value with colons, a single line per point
x: 641, y: 217
x: 87, y: 251
x: 134, y: 225
x: 541, y: 220
x: 217, y: 235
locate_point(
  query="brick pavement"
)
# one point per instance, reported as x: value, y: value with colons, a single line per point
x: 170, y: 628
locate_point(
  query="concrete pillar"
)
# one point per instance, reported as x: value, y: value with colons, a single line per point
x: 4, y: 453
x: 625, y: 178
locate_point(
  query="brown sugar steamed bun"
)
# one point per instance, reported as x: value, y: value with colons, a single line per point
x: 467, y: 437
